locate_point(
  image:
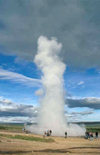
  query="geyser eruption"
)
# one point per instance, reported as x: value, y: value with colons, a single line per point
x: 52, y: 104
x: 51, y: 112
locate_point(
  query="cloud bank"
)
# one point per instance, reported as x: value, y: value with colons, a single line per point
x: 19, y: 78
x: 75, y: 23
x: 90, y: 102
x: 12, y: 112
x: 20, y: 113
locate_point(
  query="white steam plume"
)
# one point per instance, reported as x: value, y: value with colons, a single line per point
x: 51, y: 112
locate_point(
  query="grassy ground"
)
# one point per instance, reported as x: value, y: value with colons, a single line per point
x: 93, y: 128
x: 13, y: 143
x: 26, y: 137
x: 11, y: 127
x: 19, y: 127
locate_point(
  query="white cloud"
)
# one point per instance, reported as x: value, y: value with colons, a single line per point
x: 79, y: 114
x: 19, y: 78
x: 20, y: 113
x: 14, y: 119
x: 80, y: 83
x: 86, y: 112
x: 91, y: 102
x: 12, y: 112
x: 39, y: 92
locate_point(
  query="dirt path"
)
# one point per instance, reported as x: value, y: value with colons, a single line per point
x: 61, y: 146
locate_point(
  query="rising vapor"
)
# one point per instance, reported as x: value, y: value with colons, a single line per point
x: 51, y: 112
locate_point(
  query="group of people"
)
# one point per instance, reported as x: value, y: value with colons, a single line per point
x: 47, y: 133
x: 89, y: 135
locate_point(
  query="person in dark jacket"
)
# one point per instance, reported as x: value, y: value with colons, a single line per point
x: 66, y: 134
x: 50, y: 132
x: 96, y: 135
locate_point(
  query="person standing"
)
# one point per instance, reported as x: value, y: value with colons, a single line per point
x: 66, y: 134
x: 96, y: 135
x: 50, y: 132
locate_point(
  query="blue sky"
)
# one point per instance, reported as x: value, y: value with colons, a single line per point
x: 77, y: 84
x: 21, y: 23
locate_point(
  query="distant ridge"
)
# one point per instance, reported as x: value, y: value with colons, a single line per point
x: 29, y: 123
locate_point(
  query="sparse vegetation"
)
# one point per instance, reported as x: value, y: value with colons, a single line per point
x: 12, y: 127
x: 30, y: 138
x: 13, y: 141
x: 91, y: 127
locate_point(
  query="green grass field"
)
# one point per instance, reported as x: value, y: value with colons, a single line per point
x: 91, y: 127
x: 30, y: 138
x: 12, y: 127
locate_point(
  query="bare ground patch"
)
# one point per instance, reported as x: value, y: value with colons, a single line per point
x: 60, y: 146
